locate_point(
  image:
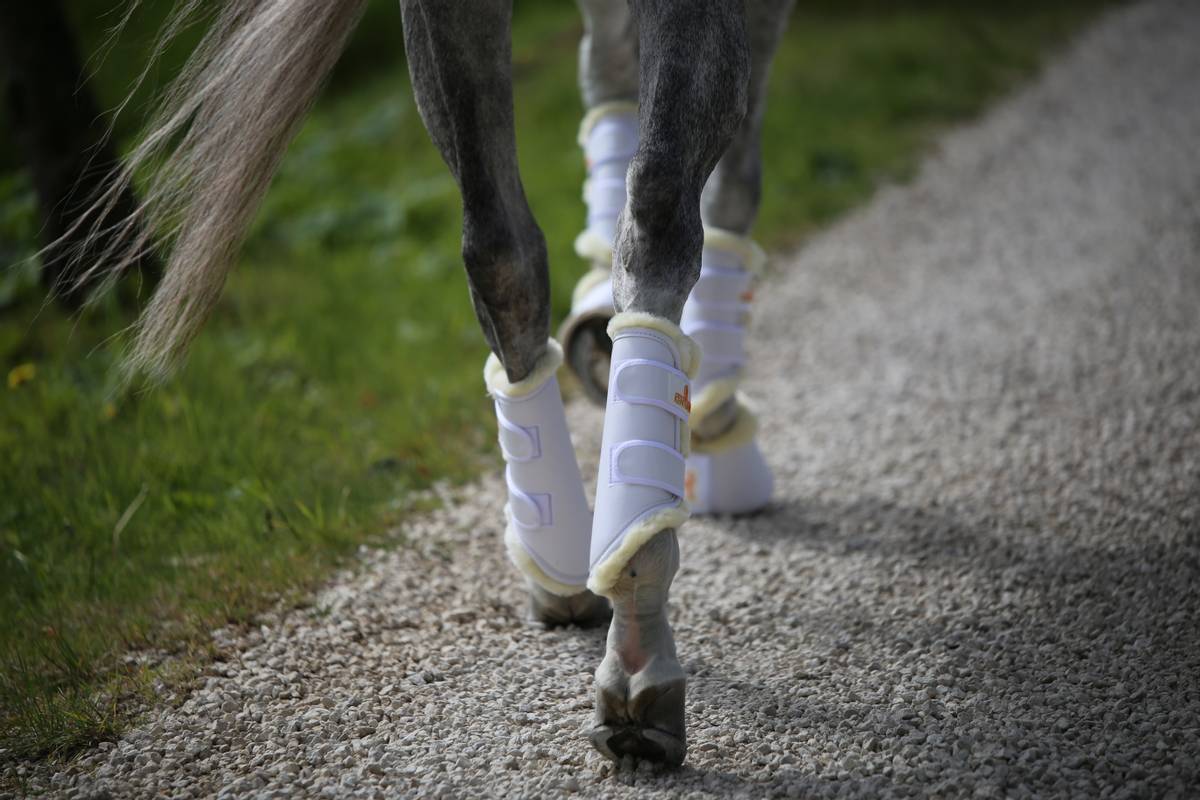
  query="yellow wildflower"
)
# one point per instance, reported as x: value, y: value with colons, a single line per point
x: 22, y: 373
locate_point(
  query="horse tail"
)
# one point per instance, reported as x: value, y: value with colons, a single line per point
x: 211, y: 150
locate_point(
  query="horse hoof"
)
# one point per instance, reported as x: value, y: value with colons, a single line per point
x: 586, y: 610
x: 588, y: 352
x: 641, y: 715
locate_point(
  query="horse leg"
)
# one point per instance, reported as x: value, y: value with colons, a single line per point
x: 729, y: 205
x: 459, y: 55
x: 608, y: 82
x: 726, y: 472
x: 731, y: 196
x: 693, y: 72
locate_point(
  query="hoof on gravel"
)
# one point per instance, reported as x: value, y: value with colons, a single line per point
x: 641, y: 715
x: 585, y: 609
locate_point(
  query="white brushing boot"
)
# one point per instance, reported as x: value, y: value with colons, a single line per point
x: 609, y: 137
x: 726, y: 473
x: 549, y: 524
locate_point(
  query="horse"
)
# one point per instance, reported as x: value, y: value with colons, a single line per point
x: 674, y: 94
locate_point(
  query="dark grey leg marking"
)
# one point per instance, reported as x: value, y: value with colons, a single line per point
x: 460, y: 57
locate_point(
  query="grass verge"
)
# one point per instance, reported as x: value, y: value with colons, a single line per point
x: 341, y: 373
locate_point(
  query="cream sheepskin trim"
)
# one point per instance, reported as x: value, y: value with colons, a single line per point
x: 753, y: 257
x: 713, y: 396
x: 521, y: 559
x: 743, y: 431
x: 689, y: 351
x: 498, y: 383
x: 591, y: 246
x: 591, y: 279
x: 608, y: 571
x: 597, y: 113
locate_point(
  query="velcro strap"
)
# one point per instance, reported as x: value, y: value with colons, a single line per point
x: 647, y: 463
x: 643, y: 381
x: 719, y: 342
x: 518, y: 444
x: 528, y: 511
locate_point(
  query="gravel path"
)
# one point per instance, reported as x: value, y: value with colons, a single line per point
x: 981, y: 574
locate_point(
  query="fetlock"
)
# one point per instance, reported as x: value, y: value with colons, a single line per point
x: 642, y: 586
x: 640, y: 685
x: 640, y: 637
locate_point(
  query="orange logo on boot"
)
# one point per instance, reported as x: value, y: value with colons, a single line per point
x: 689, y: 486
x: 684, y: 400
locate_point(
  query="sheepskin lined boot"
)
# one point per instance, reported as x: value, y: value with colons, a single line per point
x: 726, y: 474
x: 549, y: 523
x: 609, y: 138
x: 640, y: 486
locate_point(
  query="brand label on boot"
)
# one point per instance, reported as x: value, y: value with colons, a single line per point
x: 684, y: 399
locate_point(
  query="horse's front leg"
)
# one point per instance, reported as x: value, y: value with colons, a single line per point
x: 692, y: 97
x: 459, y: 55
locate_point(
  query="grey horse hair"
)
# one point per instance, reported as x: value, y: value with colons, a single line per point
x: 210, y: 151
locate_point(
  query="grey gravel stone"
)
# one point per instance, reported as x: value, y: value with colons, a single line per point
x: 981, y: 575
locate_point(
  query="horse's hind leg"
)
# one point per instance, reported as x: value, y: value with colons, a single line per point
x: 692, y: 97
x: 608, y: 133
x: 726, y: 471
x: 731, y: 196
x: 460, y: 60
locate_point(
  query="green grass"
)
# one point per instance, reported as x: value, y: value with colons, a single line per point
x: 341, y: 373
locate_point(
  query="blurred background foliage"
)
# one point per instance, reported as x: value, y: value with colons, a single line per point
x: 341, y: 373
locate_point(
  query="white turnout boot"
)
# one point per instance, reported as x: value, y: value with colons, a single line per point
x: 726, y: 474
x: 640, y: 486
x: 549, y: 523
x: 609, y: 137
